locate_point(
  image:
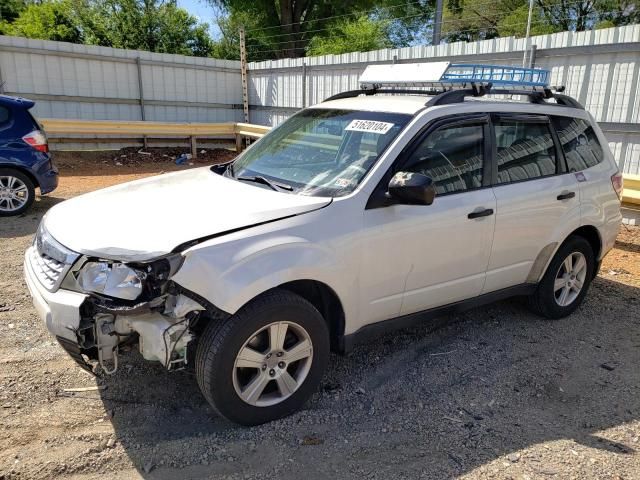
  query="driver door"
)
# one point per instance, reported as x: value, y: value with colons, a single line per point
x: 418, y: 257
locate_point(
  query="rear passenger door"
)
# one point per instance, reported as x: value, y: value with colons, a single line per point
x: 537, y: 198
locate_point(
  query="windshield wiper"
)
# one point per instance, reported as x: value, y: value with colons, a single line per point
x: 265, y: 181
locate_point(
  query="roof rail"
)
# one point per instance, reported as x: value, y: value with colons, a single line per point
x: 534, y: 96
x: 447, y: 97
x: 376, y: 91
x: 567, y: 101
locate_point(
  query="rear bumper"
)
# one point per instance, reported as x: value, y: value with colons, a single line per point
x: 48, y: 179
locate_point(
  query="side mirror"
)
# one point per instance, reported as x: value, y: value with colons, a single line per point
x: 412, y: 188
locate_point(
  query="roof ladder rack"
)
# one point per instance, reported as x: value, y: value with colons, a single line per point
x: 453, y: 82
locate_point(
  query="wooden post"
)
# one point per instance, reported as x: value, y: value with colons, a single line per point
x: 437, y: 23
x: 238, y: 143
x: 243, y: 73
x: 194, y: 148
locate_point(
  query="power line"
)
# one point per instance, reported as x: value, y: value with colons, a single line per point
x: 470, y: 30
x: 338, y: 16
x: 450, y: 20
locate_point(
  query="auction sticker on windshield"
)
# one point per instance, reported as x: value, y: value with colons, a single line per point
x: 370, y: 126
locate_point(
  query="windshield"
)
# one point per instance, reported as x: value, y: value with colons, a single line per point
x: 320, y: 152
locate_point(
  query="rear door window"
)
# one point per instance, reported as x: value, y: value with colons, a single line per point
x: 579, y: 143
x: 524, y: 148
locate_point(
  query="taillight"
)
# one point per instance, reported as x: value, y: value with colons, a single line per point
x: 37, y: 140
x: 616, y: 181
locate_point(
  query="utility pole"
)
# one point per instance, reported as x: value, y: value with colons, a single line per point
x: 526, y: 36
x: 243, y: 73
x: 437, y: 24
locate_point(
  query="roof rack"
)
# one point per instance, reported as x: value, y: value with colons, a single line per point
x: 453, y: 82
x: 451, y: 75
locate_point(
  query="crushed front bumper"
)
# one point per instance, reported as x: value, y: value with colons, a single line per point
x: 74, y: 351
x: 59, y: 310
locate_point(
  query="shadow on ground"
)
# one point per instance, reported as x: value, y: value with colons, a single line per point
x: 27, y: 223
x: 430, y: 402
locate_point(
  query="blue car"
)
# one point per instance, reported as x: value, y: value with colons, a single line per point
x: 25, y: 161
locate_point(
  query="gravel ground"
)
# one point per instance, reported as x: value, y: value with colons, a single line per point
x: 494, y: 393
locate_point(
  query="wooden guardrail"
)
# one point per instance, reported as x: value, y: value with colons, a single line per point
x: 105, y: 130
x: 631, y: 191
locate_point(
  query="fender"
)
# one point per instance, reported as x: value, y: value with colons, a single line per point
x: 230, y: 275
x: 563, y: 229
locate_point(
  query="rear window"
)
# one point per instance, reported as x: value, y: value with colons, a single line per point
x: 36, y: 124
x: 4, y: 115
x: 579, y: 143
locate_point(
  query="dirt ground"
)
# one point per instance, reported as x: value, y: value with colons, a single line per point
x: 493, y: 393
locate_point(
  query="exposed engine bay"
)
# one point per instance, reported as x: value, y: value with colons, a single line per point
x: 162, y: 328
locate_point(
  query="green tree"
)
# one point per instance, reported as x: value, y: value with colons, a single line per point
x: 472, y: 19
x: 52, y: 20
x: 358, y: 35
x: 10, y: 9
x: 156, y: 26
x: 614, y: 13
x: 284, y: 28
x: 153, y: 25
x: 515, y: 23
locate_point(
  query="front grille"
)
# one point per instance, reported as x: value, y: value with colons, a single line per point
x: 50, y: 272
x: 50, y: 260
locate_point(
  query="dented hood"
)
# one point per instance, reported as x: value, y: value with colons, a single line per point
x: 144, y: 219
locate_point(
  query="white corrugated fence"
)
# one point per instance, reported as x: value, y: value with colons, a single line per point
x: 600, y: 68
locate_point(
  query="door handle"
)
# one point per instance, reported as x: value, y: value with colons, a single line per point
x: 566, y: 195
x: 481, y: 213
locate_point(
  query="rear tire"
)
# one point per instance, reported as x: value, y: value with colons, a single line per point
x: 265, y: 361
x: 17, y: 192
x: 566, y: 281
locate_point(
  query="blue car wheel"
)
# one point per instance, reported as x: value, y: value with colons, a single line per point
x: 17, y: 192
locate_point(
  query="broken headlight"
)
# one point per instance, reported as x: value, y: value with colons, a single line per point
x: 111, y: 279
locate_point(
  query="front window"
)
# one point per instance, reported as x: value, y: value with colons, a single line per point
x: 320, y: 152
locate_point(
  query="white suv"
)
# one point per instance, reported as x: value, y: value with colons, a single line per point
x: 362, y: 214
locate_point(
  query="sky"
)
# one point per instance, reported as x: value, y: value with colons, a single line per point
x: 204, y: 12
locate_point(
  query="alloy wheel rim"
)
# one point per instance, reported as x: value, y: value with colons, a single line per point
x: 13, y: 193
x: 272, y: 364
x: 570, y: 279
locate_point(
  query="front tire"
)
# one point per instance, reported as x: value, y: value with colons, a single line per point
x: 265, y: 361
x: 17, y: 192
x: 566, y: 281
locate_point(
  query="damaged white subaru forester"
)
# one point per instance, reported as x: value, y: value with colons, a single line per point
x: 374, y: 210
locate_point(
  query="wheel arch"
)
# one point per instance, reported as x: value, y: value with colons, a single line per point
x: 326, y: 301
x: 591, y: 235
x: 22, y: 170
x: 544, y: 258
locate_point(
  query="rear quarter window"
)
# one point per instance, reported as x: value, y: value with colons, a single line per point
x: 579, y: 143
x: 4, y: 115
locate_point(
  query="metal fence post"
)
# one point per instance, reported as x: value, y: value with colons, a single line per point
x: 304, y: 84
x: 141, y: 94
x: 532, y: 56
